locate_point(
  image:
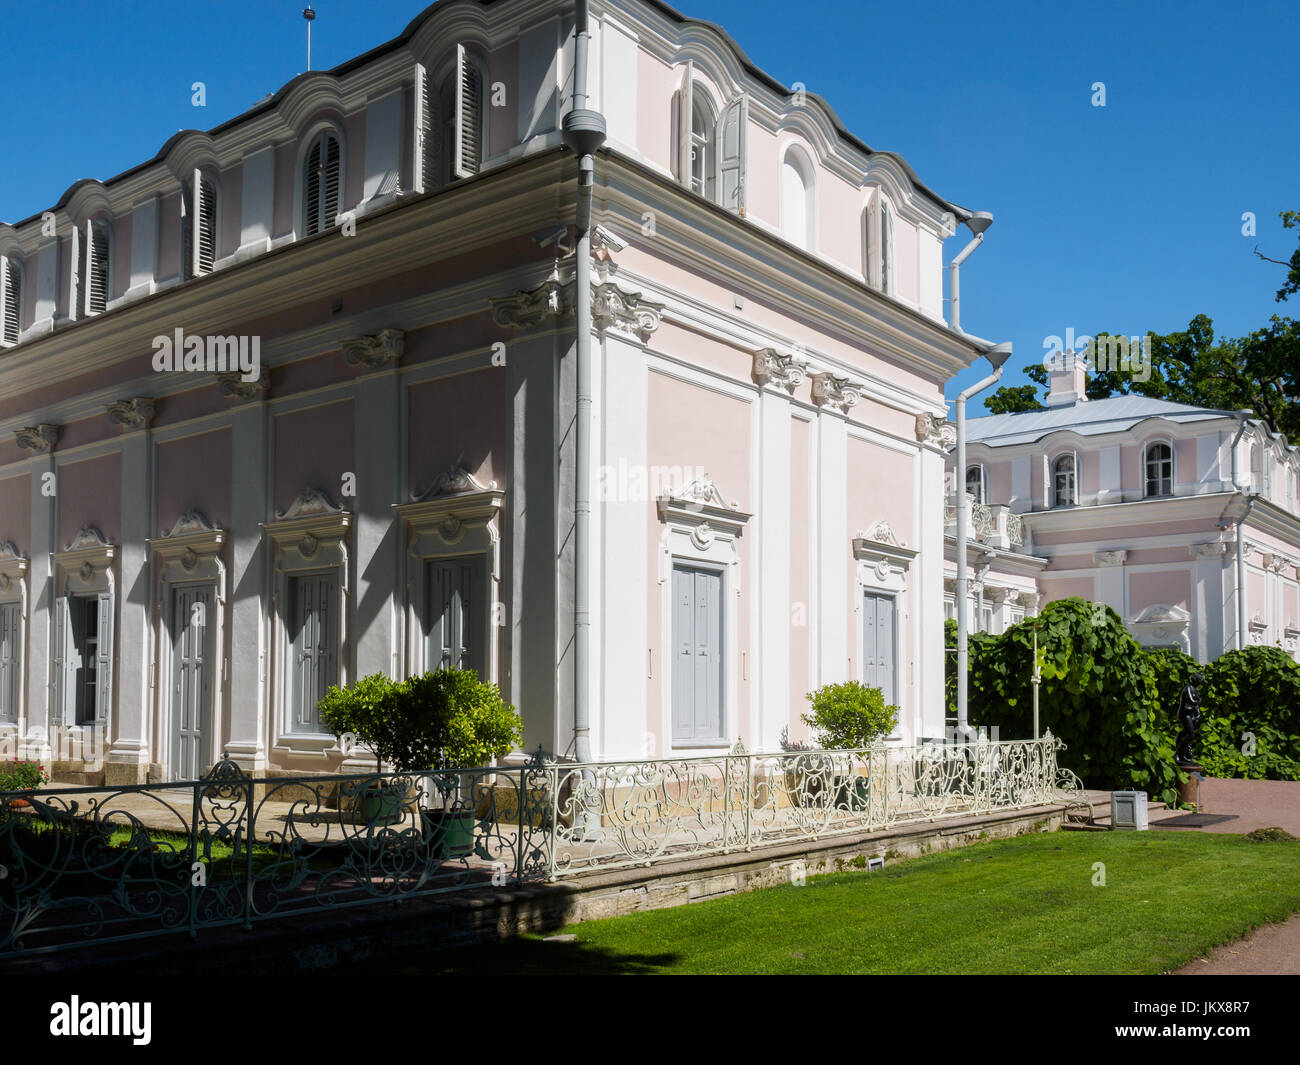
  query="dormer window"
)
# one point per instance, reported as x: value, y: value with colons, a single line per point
x: 198, y: 225
x: 878, y: 252
x: 462, y: 114
x: 797, y: 199
x: 11, y: 300
x: 886, y: 248
x: 711, y: 146
x: 975, y: 483
x: 321, y: 183
x: 1159, y: 465
x: 93, y: 247
x: 1064, y: 480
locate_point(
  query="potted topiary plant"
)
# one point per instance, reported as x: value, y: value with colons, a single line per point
x: 371, y: 711
x: 848, y: 716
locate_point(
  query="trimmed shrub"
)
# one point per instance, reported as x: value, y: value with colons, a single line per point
x: 1250, y: 695
x: 849, y: 715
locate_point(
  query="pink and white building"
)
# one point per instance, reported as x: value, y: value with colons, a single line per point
x: 1185, y: 520
x: 194, y: 547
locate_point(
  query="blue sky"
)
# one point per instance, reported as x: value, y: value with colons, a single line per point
x: 1124, y: 218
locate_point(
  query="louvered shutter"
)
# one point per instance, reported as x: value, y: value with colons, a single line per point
x: 685, y: 118
x: 873, y: 241
x: 205, y: 220
x: 469, y: 116
x: 11, y: 297
x: 187, y: 230
x: 421, y: 171
x: 78, y: 273
x: 59, y: 675
x: 97, y: 250
x: 886, y: 248
x: 731, y: 154
x: 311, y: 188
x: 331, y: 192
x: 104, y: 660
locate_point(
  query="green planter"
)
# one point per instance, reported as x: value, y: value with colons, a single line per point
x: 853, y: 794
x: 449, y: 833
x: 381, y: 804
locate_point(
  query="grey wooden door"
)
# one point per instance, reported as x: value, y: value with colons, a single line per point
x: 879, y: 640
x: 314, y: 641
x: 10, y: 660
x: 697, y: 659
x: 193, y: 628
x: 455, y: 615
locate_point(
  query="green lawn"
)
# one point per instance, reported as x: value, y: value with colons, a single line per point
x: 1025, y: 905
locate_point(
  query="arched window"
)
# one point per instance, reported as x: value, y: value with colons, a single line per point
x: 975, y: 483
x: 198, y: 225
x: 1159, y: 465
x: 704, y: 147
x: 796, y: 200
x: 94, y: 266
x: 1256, y: 467
x: 461, y: 121
x: 1063, y: 482
x: 11, y: 299
x: 321, y: 183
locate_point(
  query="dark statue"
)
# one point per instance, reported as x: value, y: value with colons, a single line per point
x: 1189, y: 716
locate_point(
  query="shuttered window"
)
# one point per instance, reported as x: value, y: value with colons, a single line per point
x: 322, y: 184
x: 456, y: 614
x: 198, y: 225
x: 697, y: 655
x: 96, y: 258
x: 313, y: 651
x: 83, y: 659
x: 879, y: 640
x: 11, y: 660
x: 11, y: 300
x: 457, y: 151
x: 886, y: 249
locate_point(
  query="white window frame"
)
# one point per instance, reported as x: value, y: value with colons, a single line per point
x: 700, y: 529
x: 883, y: 568
x: 194, y: 184
x: 1173, y: 468
x: 1073, y: 456
x: 797, y: 158
x: 457, y: 516
x: 84, y: 570
x: 309, y: 536
x: 983, y: 496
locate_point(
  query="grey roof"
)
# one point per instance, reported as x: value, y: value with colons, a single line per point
x: 1093, y: 418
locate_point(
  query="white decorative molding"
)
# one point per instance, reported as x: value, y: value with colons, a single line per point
x: 309, y: 503
x: 1212, y: 550
x: 623, y: 312
x: 1258, y: 628
x: 703, y: 490
x: 192, y: 521
x: 1110, y: 558
x: 785, y: 371
x: 39, y: 439
x: 131, y: 414
x: 377, y: 352
x: 1162, y: 625
x: 828, y: 390
x: 936, y: 431
x: 234, y: 385
x: 553, y: 298
x: 455, y: 481
x: 86, y: 562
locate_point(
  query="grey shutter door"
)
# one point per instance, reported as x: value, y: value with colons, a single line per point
x: 10, y: 660
x: 697, y: 663
x: 731, y: 154
x: 456, y: 612
x: 314, y: 650
x: 192, y: 667
x: 878, y: 644
x: 59, y: 675
x: 311, y: 184
x: 331, y: 192
x: 104, y: 661
x: 685, y: 116
x: 206, y: 224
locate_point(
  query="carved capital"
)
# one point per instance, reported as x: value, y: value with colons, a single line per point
x: 38, y: 439
x: 831, y: 391
x: 377, y: 352
x: 624, y: 312
x: 1110, y: 558
x: 1212, y: 550
x: 771, y: 367
x: 937, y: 431
x: 551, y: 299
x: 131, y: 414
x: 234, y: 385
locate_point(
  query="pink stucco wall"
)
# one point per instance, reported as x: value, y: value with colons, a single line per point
x: 314, y: 448
x: 879, y: 486
x: 15, y: 512
x: 169, y: 235
x: 194, y: 473
x: 1170, y: 587
x: 90, y: 493
x: 461, y: 421
x: 1065, y: 587
x: 232, y: 209
x: 800, y: 556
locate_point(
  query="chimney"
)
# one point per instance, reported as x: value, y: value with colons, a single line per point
x: 1067, y: 378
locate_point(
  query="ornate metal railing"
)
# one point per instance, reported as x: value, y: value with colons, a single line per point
x: 90, y: 865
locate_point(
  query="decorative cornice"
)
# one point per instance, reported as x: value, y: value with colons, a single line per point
x: 833, y: 391
x: 1211, y: 550
x: 234, y: 385
x: 39, y: 439
x: 771, y: 367
x: 932, y: 429
x: 1110, y: 558
x: 624, y: 312
x: 309, y: 503
x: 192, y: 521
x: 455, y: 481
x: 88, y: 536
x: 376, y: 352
x: 131, y: 414
x: 703, y: 490
x: 9, y: 552
x: 881, y: 533
x: 553, y: 298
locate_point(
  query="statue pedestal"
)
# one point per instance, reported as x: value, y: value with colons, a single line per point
x: 1188, y: 793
